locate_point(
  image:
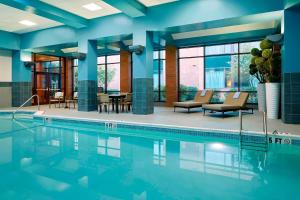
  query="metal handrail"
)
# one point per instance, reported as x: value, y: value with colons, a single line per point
x: 265, y: 125
x: 38, y: 100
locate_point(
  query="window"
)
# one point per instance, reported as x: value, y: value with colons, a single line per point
x: 109, y: 73
x: 159, y: 74
x: 191, y: 76
x: 159, y: 152
x: 222, y: 68
x: 75, y: 75
x: 110, y: 146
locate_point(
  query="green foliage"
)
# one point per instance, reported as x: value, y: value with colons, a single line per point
x: 259, y: 61
x: 255, y: 52
x: 266, y: 53
x: 187, y: 92
x: 267, y: 66
x: 266, y: 44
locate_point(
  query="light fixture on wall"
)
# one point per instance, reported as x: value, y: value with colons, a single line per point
x: 29, y: 64
x: 137, y: 49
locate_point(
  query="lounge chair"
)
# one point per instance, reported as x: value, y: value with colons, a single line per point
x: 73, y: 100
x: 202, y: 97
x: 233, y: 102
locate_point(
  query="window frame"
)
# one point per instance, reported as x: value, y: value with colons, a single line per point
x: 159, y: 59
x: 238, y: 54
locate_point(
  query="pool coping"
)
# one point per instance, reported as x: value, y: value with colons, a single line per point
x: 252, y: 136
x: 210, y: 132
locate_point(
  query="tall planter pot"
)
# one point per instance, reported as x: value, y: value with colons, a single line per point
x: 273, y: 100
x: 261, y: 97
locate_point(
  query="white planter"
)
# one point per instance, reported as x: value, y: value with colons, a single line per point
x: 273, y: 100
x: 261, y: 97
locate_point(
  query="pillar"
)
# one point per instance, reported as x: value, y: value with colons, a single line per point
x: 21, y: 78
x: 171, y: 75
x: 143, y: 74
x: 125, y: 71
x: 87, y: 76
x: 291, y: 68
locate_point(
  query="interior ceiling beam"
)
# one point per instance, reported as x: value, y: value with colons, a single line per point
x: 48, y: 11
x: 132, y: 8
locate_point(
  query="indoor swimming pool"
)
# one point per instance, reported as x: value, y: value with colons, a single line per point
x: 66, y: 160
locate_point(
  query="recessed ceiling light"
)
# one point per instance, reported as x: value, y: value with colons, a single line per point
x: 92, y: 7
x: 27, y: 23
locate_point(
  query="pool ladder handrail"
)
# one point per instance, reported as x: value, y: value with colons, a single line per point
x: 265, y: 126
x: 38, y: 101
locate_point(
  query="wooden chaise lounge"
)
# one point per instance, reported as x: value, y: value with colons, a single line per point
x: 234, y: 101
x: 202, y: 97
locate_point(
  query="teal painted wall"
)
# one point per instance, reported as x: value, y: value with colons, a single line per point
x: 20, y: 73
x: 291, y: 55
x: 9, y: 41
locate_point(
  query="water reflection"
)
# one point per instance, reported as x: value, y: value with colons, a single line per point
x: 83, y: 164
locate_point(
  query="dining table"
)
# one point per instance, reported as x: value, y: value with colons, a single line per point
x: 116, y: 98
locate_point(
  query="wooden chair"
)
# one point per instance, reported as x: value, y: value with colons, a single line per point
x: 127, y: 102
x: 103, y: 100
x: 58, y: 98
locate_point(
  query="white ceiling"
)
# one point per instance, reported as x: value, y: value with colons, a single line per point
x: 224, y: 30
x: 75, y: 7
x: 149, y: 3
x: 10, y: 17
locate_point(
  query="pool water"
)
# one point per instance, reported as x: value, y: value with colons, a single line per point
x: 57, y: 161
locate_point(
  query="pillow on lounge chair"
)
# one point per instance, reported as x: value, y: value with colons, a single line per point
x: 203, y: 93
x: 236, y: 95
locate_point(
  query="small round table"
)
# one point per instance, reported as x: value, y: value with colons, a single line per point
x: 115, y: 100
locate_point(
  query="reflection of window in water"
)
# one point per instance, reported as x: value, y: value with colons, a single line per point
x: 76, y: 140
x: 109, y: 146
x: 159, y: 152
x: 192, y: 156
x: 213, y: 158
x: 54, y: 142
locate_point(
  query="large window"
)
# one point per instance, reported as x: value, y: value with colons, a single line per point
x: 222, y: 68
x: 159, y: 74
x: 190, y: 72
x: 109, y: 73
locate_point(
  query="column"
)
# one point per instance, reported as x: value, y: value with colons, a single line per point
x: 143, y: 74
x: 21, y: 78
x: 291, y: 67
x: 171, y: 75
x: 87, y: 76
x: 125, y: 71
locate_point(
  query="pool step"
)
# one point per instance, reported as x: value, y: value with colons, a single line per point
x: 257, y: 146
x: 23, y: 116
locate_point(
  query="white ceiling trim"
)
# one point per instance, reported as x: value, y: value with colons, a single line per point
x: 224, y: 30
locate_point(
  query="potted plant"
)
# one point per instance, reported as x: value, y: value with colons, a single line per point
x: 267, y: 62
x: 257, y: 71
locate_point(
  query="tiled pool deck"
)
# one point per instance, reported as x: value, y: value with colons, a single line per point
x: 166, y: 116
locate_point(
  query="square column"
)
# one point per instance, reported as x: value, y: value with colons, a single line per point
x: 291, y: 67
x: 171, y: 75
x: 143, y: 74
x: 87, y: 76
x: 125, y: 71
x: 21, y: 78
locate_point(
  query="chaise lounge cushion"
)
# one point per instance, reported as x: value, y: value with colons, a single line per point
x: 201, y: 98
x: 189, y: 104
x: 220, y: 107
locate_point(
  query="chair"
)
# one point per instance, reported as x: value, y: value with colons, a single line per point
x: 233, y: 102
x: 202, y: 97
x: 104, y: 101
x: 74, y: 100
x: 127, y: 102
x: 58, y: 98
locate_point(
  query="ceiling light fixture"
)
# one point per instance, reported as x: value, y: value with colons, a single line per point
x: 92, y: 7
x: 27, y: 23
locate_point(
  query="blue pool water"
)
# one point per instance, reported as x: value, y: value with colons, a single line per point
x: 63, y: 161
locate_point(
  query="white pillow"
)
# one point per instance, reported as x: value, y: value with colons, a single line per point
x: 236, y: 95
x: 203, y: 93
